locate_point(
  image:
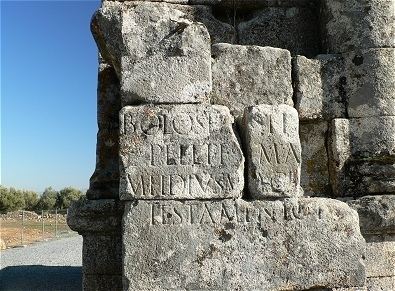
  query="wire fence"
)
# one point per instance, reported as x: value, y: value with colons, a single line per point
x: 22, y: 227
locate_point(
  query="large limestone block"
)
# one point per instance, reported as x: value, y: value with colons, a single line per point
x: 272, y: 144
x: 320, y: 87
x: 362, y: 156
x: 159, y: 54
x: 293, y: 28
x: 179, y: 152
x: 370, y: 82
x: 314, y: 172
x: 376, y: 214
x: 380, y: 283
x: 357, y: 24
x: 380, y: 259
x: 238, y: 245
x: 244, y: 76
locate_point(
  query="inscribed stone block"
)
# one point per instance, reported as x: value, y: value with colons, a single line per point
x: 237, y: 245
x: 244, y: 76
x: 179, y: 152
x: 272, y: 144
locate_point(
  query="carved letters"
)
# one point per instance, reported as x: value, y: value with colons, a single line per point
x: 179, y: 151
x: 274, y: 151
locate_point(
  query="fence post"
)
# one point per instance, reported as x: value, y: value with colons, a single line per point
x: 23, y: 226
x: 56, y: 222
x: 42, y: 224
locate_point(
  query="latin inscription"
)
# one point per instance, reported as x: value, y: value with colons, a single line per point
x: 222, y: 213
x: 174, y: 151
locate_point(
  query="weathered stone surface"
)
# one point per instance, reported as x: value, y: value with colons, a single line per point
x: 370, y: 82
x: 179, y: 152
x: 357, y: 24
x: 95, y: 216
x: 102, y: 282
x: 160, y: 56
x: 380, y: 283
x: 376, y: 214
x: 238, y: 245
x: 320, y: 87
x: 362, y: 156
x: 314, y: 173
x: 294, y: 28
x: 102, y: 254
x: 244, y: 76
x: 105, y: 179
x: 235, y: 3
x: 272, y: 144
x: 380, y: 259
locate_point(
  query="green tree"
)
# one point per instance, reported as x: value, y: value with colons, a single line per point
x: 67, y: 196
x: 11, y: 199
x: 48, y: 200
x: 31, y: 200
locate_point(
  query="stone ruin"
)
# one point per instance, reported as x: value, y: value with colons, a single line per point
x: 242, y: 145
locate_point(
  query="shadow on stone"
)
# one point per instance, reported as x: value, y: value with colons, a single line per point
x: 38, y: 277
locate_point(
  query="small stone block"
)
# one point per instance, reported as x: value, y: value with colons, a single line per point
x: 273, y: 151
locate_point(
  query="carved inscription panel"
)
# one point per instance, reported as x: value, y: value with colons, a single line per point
x: 179, y: 151
x: 273, y: 150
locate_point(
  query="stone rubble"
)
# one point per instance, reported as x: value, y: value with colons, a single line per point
x: 242, y: 145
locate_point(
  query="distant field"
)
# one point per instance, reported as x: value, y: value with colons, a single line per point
x: 13, y: 233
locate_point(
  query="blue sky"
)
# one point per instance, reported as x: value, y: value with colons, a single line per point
x: 48, y: 94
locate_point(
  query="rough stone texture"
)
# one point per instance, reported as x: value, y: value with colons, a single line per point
x: 370, y: 82
x: 320, y: 87
x: 244, y: 76
x: 376, y: 214
x: 273, y: 151
x: 179, y: 152
x: 380, y: 284
x: 102, y: 254
x: 362, y: 156
x: 235, y: 3
x: 160, y: 56
x: 95, y: 216
x: 105, y: 179
x: 357, y: 24
x: 380, y: 259
x: 239, y: 245
x: 102, y: 283
x: 294, y: 28
x: 315, y: 174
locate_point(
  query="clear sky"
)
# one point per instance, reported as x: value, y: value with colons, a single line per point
x: 48, y: 94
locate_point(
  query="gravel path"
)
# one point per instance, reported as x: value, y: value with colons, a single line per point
x: 52, y: 265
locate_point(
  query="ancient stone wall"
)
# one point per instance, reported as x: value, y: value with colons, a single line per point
x: 242, y: 145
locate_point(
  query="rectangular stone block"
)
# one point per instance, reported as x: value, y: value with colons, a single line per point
x: 380, y: 283
x: 380, y: 259
x: 272, y: 144
x: 357, y: 24
x: 179, y: 152
x: 158, y: 52
x: 314, y: 170
x: 102, y: 283
x: 362, y: 156
x: 245, y: 76
x: 320, y: 87
x: 370, y: 82
x: 237, y: 245
x: 376, y: 214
